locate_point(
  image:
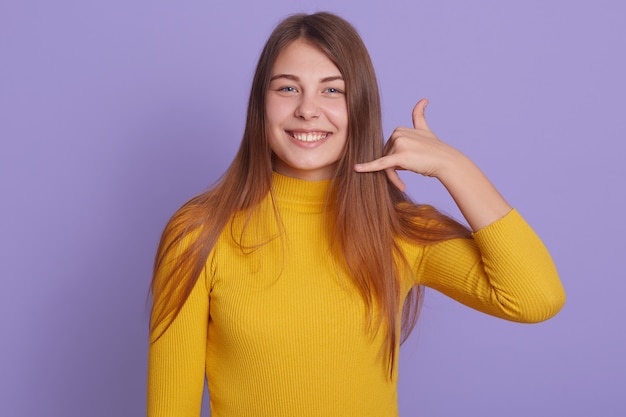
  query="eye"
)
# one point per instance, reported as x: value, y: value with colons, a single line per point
x: 287, y: 89
x: 333, y: 90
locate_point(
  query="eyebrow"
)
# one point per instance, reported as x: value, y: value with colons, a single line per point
x: 296, y: 78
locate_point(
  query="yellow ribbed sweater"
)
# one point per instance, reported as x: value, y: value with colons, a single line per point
x: 279, y: 331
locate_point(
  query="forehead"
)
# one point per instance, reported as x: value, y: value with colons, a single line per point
x: 301, y: 56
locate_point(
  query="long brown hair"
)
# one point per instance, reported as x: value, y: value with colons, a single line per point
x: 369, y: 214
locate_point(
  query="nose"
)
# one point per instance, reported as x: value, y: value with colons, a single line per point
x: 308, y: 108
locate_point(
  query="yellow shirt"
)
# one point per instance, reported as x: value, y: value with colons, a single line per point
x: 279, y: 331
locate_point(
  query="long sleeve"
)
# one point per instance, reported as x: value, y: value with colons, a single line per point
x: 505, y: 271
x: 176, y: 361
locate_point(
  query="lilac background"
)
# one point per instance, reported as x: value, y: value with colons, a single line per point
x: 113, y: 113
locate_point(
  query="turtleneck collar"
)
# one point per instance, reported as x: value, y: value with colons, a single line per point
x: 300, y: 193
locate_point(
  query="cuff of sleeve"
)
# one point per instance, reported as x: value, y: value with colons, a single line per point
x: 509, y: 221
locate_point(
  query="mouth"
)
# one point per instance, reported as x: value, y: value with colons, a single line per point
x: 309, y: 137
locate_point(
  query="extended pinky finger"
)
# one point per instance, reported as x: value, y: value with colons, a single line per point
x: 395, y: 179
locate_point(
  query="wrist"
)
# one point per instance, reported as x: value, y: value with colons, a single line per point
x: 456, y: 166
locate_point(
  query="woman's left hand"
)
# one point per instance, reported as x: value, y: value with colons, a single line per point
x: 415, y: 149
x: 420, y: 151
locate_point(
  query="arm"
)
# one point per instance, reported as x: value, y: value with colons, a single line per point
x: 176, y: 360
x: 505, y: 270
x: 420, y: 151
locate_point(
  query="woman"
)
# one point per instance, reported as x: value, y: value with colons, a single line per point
x: 285, y: 283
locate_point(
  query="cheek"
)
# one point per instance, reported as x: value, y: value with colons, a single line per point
x: 338, y: 115
x: 276, y: 111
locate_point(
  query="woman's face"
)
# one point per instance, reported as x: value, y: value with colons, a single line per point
x: 306, y: 113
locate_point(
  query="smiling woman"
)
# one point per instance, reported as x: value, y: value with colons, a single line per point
x: 288, y: 284
x: 307, y: 117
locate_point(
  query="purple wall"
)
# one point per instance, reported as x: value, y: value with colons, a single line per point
x: 113, y: 113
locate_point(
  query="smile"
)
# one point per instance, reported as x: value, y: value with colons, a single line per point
x: 309, y: 136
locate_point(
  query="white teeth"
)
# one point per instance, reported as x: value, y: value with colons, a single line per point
x: 309, y: 137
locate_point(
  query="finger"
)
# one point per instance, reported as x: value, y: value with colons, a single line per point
x: 395, y: 179
x: 377, y: 164
x: 419, y: 118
